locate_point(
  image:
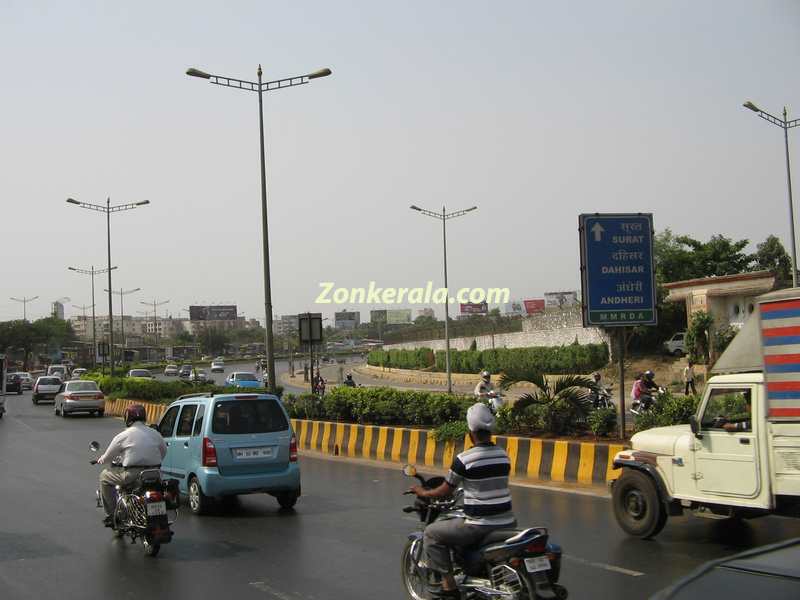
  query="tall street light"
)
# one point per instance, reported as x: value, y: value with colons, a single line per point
x: 260, y: 87
x: 444, y: 216
x: 24, y: 302
x: 155, y: 306
x: 92, y: 272
x: 122, y: 293
x: 786, y: 125
x: 108, y: 209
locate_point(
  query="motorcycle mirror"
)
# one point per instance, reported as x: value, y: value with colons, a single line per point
x: 94, y: 446
x: 409, y: 471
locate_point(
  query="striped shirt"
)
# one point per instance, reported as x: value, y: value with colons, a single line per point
x: 482, y: 472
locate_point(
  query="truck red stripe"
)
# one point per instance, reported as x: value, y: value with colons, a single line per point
x: 781, y: 331
x: 782, y: 359
x: 784, y: 412
x: 785, y: 305
x: 784, y: 386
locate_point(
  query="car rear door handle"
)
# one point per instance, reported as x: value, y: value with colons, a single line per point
x: 185, y: 444
x: 745, y: 441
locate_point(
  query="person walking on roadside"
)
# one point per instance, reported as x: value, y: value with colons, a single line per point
x: 688, y: 379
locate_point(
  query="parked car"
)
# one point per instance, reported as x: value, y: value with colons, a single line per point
x: 60, y: 370
x: 218, y: 366
x: 27, y: 380
x: 243, y: 379
x: 46, y: 388
x: 205, y: 357
x: 78, y: 373
x: 141, y: 374
x: 676, y: 344
x: 13, y: 383
x: 79, y: 396
x: 225, y: 445
x: 765, y: 572
x: 171, y: 370
x: 200, y: 376
x: 185, y: 371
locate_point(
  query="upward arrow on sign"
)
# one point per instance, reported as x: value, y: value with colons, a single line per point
x: 598, y: 230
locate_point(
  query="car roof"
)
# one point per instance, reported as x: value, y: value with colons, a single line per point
x: 208, y: 398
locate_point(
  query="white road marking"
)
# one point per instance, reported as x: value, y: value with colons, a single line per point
x: 268, y: 589
x: 604, y: 566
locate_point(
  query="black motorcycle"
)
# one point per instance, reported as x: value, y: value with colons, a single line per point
x: 145, y: 510
x: 513, y: 564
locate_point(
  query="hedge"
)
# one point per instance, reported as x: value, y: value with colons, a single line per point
x: 558, y: 360
x: 667, y: 410
x: 380, y: 406
x: 160, y: 391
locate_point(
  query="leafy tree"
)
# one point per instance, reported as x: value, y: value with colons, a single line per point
x: 771, y: 256
x: 697, y: 337
x: 212, y: 340
x: 425, y: 320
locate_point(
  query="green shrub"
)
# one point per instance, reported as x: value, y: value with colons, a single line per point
x: 668, y: 410
x: 602, y: 421
x: 453, y: 431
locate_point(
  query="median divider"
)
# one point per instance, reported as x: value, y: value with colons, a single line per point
x: 587, y: 463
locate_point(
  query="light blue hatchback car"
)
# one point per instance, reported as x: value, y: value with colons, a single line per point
x: 229, y: 444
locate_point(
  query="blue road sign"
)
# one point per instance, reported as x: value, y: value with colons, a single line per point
x: 617, y: 269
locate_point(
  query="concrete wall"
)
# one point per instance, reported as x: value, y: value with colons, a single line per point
x: 553, y: 327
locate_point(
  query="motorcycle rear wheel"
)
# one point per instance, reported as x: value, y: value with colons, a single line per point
x: 415, y: 584
x: 150, y: 548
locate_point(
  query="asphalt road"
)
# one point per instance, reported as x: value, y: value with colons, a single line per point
x: 342, y: 541
x: 281, y: 366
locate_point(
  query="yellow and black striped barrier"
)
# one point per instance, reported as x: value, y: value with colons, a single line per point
x: 531, y: 458
x: 546, y: 460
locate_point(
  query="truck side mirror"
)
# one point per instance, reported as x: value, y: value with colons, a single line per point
x: 695, y: 425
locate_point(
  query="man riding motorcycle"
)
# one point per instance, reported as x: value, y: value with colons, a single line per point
x: 484, y: 386
x: 482, y: 472
x: 133, y: 450
x: 348, y: 381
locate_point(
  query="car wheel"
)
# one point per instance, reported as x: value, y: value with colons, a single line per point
x: 287, y: 500
x: 637, y: 506
x: 55, y: 410
x: 101, y: 413
x: 35, y: 400
x: 677, y: 353
x: 199, y: 503
x: 19, y: 392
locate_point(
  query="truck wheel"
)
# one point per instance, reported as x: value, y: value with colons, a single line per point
x: 637, y: 507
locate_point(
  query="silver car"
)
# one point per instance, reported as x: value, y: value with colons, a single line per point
x: 80, y: 396
x: 46, y: 388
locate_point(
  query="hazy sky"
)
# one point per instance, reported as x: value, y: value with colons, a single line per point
x: 534, y: 111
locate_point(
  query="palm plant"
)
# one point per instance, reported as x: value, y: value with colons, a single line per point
x: 562, y: 404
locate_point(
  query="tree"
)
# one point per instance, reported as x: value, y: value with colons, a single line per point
x: 771, y: 256
x: 212, y: 340
x: 425, y: 320
x: 679, y: 258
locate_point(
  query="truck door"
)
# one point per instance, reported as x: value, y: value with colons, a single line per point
x: 727, y: 462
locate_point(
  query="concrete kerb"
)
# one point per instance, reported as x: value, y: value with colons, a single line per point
x: 532, y: 460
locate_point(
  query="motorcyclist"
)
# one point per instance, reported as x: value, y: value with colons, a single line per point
x: 131, y: 451
x: 649, y: 388
x: 482, y: 472
x: 484, y: 386
x: 348, y: 380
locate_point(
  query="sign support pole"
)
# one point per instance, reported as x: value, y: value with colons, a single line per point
x: 621, y: 376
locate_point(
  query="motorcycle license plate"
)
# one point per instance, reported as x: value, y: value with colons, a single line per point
x: 247, y: 453
x: 537, y: 563
x: 156, y: 509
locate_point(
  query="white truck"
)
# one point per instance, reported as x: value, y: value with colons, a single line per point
x: 740, y: 455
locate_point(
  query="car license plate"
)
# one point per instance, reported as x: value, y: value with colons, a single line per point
x: 156, y: 509
x: 537, y: 563
x: 248, y: 453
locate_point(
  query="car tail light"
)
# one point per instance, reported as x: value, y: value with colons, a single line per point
x: 70, y: 397
x: 153, y: 496
x: 99, y: 396
x: 209, y: 453
x: 293, y: 449
x: 537, y: 546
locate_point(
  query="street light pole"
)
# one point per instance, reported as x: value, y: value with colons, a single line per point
x: 260, y: 87
x: 444, y: 216
x: 155, y: 306
x: 786, y: 125
x: 108, y: 209
x: 122, y: 293
x: 92, y: 272
x: 24, y: 302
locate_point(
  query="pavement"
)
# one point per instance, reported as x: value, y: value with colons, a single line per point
x: 343, y: 540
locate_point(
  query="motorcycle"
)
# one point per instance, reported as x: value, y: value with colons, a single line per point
x: 646, y: 401
x: 601, y: 398
x: 513, y: 564
x: 145, y: 509
x: 496, y: 401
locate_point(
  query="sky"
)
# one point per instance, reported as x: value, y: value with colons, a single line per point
x: 533, y: 111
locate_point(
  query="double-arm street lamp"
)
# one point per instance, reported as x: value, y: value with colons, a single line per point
x: 24, y: 302
x: 260, y: 87
x: 122, y: 293
x: 108, y: 209
x: 155, y: 306
x: 92, y: 272
x: 444, y: 216
x: 786, y: 125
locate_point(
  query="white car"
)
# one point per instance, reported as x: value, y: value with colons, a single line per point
x: 218, y: 366
x: 676, y: 344
x: 78, y: 373
x: 171, y: 370
x: 46, y: 388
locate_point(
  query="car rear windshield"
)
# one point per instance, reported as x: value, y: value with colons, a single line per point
x: 82, y: 386
x: 245, y: 377
x: 50, y: 381
x: 140, y: 373
x: 248, y: 416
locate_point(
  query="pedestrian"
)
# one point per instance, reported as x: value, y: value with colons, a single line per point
x: 688, y: 379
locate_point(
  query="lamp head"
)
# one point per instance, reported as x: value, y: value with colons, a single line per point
x: 72, y: 201
x: 143, y: 202
x: 751, y: 106
x: 192, y: 72
x: 320, y: 73
x: 415, y: 207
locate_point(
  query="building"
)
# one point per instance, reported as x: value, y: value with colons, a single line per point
x: 57, y: 310
x: 285, y: 325
x: 398, y: 316
x: 346, y: 320
x: 377, y: 316
x: 426, y: 312
x: 730, y: 299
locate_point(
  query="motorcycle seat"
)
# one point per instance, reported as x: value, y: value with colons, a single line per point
x: 502, y: 537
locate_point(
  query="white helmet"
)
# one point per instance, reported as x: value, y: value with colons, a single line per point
x: 485, y: 375
x: 480, y: 418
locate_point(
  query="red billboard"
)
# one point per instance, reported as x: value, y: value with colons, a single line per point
x: 470, y: 308
x: 533, y: 306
